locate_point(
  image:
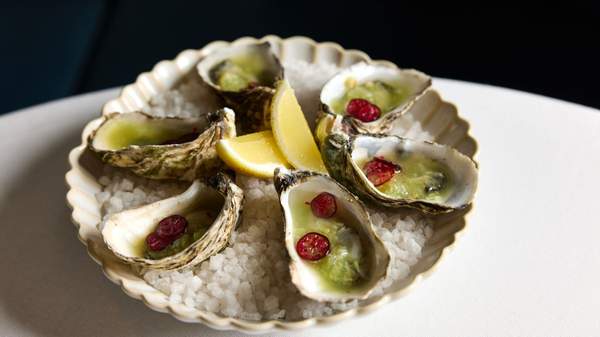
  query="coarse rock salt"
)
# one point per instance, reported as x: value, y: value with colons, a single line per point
x: 250, y: 278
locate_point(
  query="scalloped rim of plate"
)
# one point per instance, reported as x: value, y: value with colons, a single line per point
x: 147, y: 85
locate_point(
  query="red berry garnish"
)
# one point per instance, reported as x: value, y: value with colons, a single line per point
x: 379, y: 170
x: 171, y: 227
x: 312, y: 246
x: 156, y: 243
x: 323, y: 205
x: 363, y: 110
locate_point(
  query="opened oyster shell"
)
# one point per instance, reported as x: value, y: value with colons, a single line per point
x: 162, y: 147
x: 244, y: 76
x: 397, y: 172
x: 389, y: 92
x: 335, y: 254
x: 430, y: 103
x: 125, y: 233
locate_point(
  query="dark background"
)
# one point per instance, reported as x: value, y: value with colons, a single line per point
x: 53, y: 49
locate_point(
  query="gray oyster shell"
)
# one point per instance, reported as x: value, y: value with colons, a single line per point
x: 125, y: 232
x: 252, y: 105
x: 415, y: 82
x: 183, y: 161
x: 340, y: 150
x: 297, y: 184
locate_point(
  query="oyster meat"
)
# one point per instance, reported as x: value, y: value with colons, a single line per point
x: 398, y: 172
x: 211, y: 208
x: 244, y: 76
x: 335, y: 254
x: 162, y: 148
x: 371, y: 97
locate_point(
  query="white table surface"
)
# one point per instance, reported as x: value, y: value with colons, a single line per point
x: 528, y: 263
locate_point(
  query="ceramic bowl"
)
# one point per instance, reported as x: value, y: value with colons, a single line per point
x: 434, y: 115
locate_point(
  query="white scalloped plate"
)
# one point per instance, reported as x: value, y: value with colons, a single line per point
x: 436, y: 116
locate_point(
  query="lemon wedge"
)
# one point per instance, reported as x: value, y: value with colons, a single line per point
x: 291, y: 131
x: 255, y: 154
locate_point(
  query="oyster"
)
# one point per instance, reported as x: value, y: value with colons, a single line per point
x: 125, y: 233
x: 244, y: 76
x: 162, y: 148
x: 335, y: 254
x: 371, y: 96
x: 395, y: 172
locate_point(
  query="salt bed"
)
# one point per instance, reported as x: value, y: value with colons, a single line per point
x: 250, y: 278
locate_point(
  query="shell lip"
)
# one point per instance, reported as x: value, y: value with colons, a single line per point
x: 284, y: 180
x: 419, y: 204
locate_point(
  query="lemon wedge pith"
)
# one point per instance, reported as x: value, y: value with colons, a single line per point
x: 255, y: 154
x: 291, y: 131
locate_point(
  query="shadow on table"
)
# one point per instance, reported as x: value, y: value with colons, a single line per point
x: 49, y: 286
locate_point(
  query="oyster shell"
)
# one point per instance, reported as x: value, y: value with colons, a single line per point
x: 357, y: 257
x: 248, y: 93
x: 162, y: 148
x: 125, y: 233
x: 407, y: 86
x: 431, y: 177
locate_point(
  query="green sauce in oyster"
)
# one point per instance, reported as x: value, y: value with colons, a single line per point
x: 240, y: 72
x: 386, y: 96
x: 120, y: 133
x: 198, y: 223
x: 346, y: 265
x: 419, y: 177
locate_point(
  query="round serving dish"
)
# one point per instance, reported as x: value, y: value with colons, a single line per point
x: 439, y: 118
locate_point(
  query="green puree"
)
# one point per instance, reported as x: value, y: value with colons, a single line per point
x: 198, y: 224
x: 120, y: 133
x: 345, y: 265
x: 385, y: 95
x: 237, y: 73
x: 420, y: 178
